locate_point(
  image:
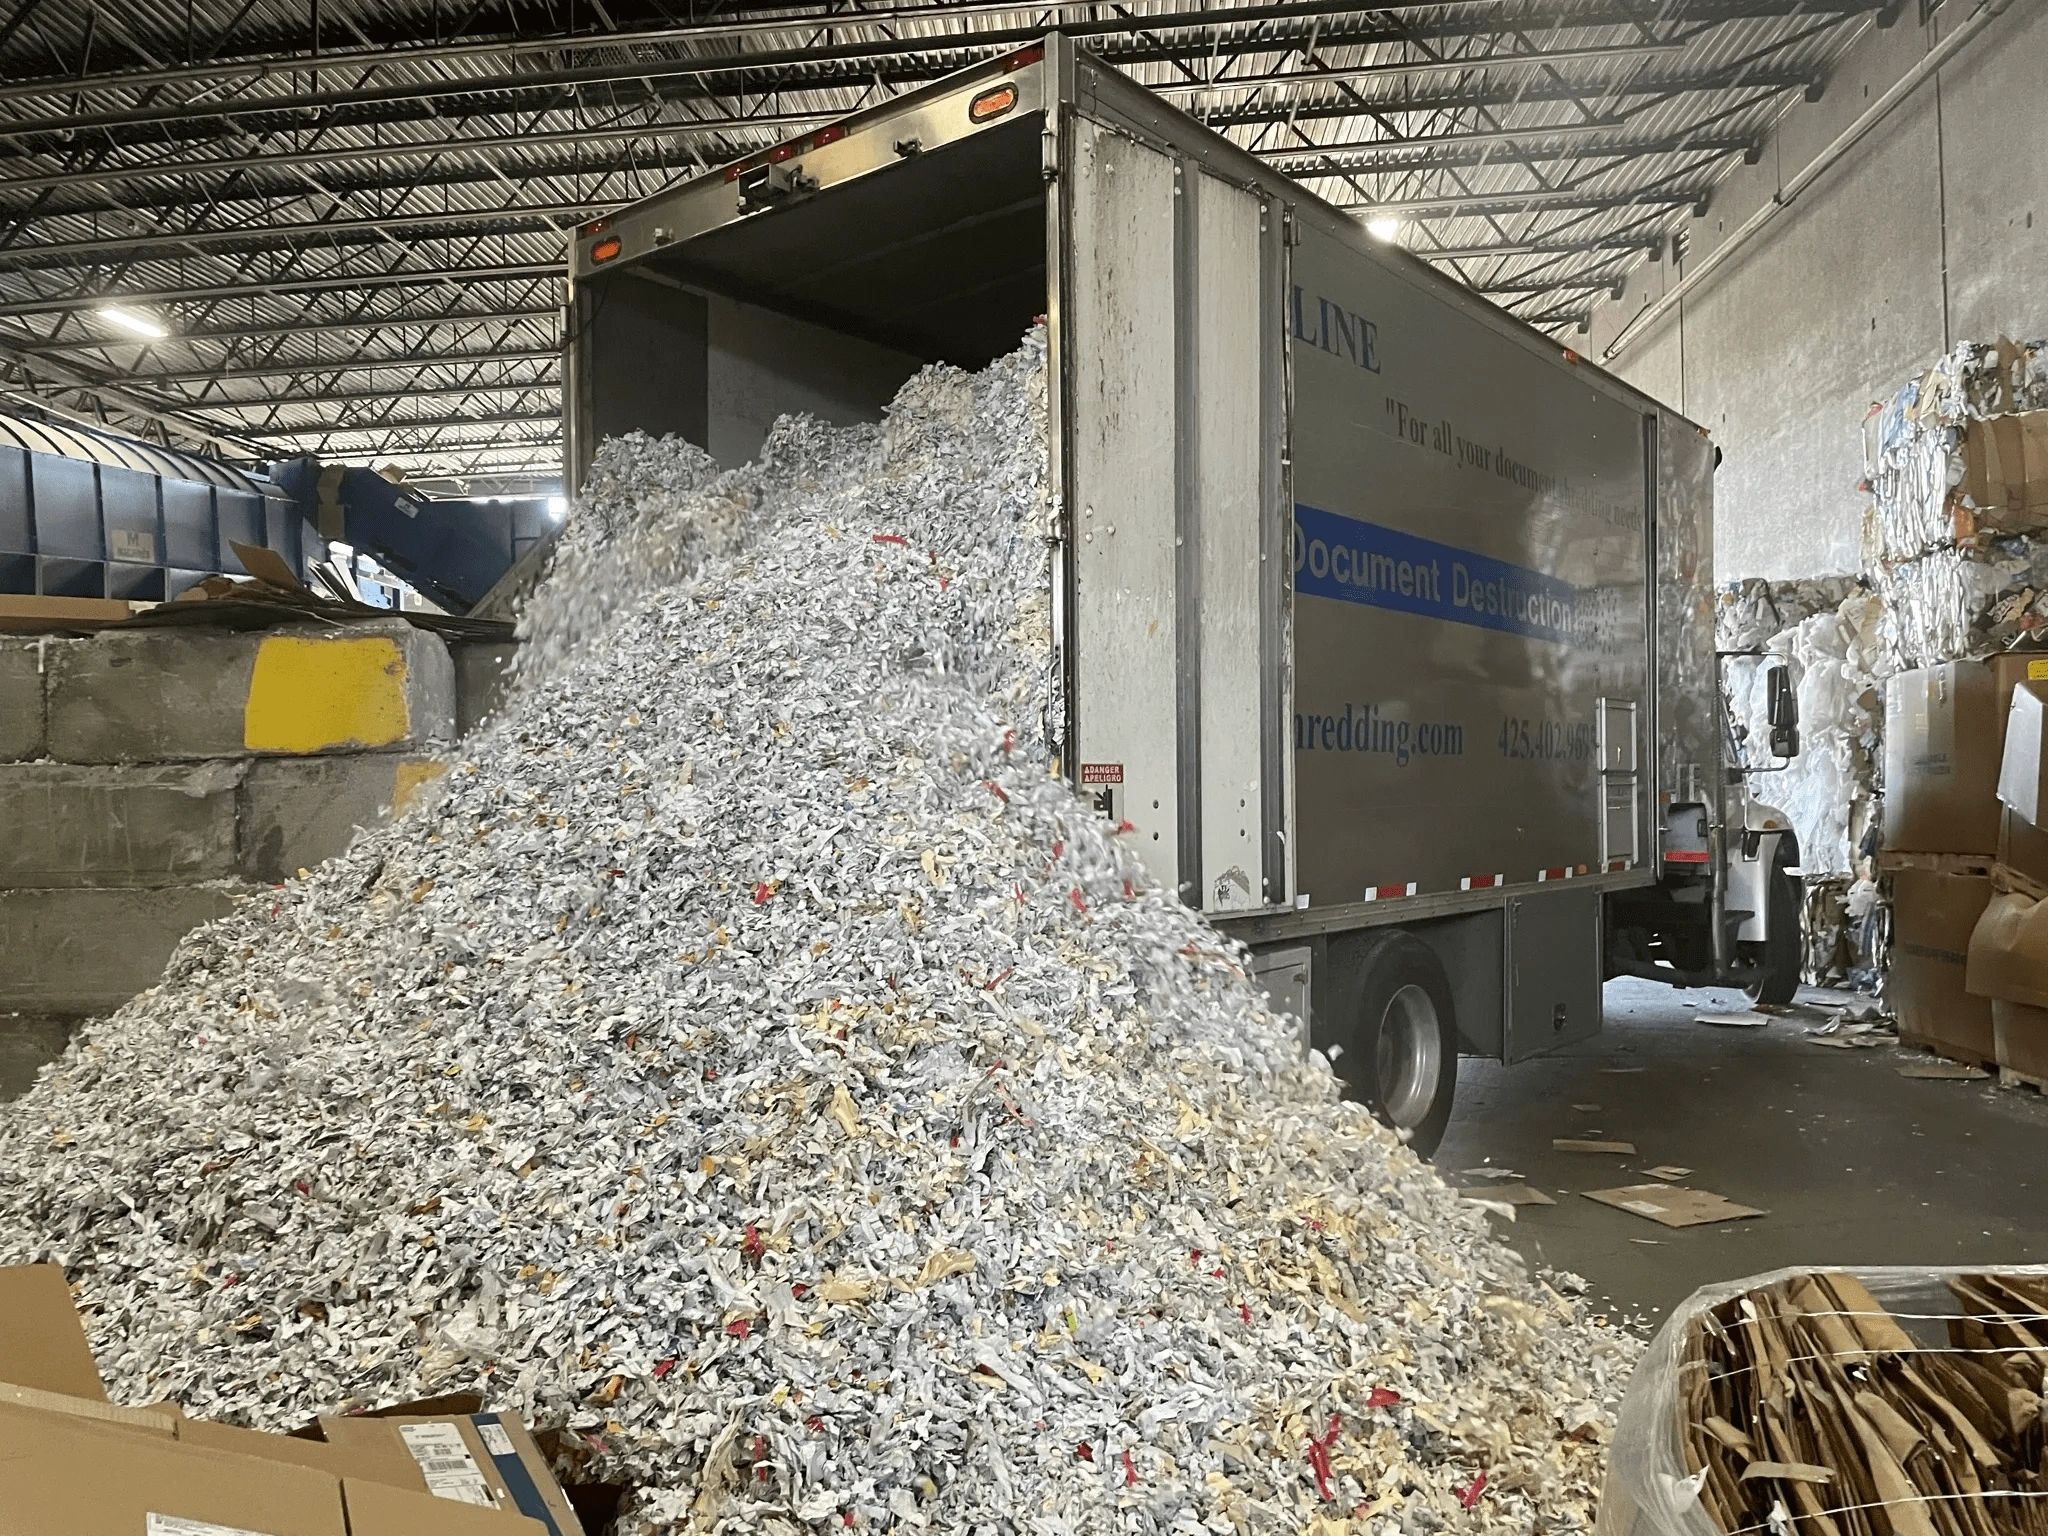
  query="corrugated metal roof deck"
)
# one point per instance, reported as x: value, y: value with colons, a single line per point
x: 355, y: 233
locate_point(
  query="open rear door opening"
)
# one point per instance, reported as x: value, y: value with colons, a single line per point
x: 867, y: 258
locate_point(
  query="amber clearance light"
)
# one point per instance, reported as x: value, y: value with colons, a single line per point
x: 605, y: 250
x: 991, y: 104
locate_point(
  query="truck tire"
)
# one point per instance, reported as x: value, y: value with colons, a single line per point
x: 1782, y: 952
x: 1390, y: 1011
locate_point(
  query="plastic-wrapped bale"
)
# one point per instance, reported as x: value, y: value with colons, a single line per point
x: 1953, y: 603
x: 758, y: 1064
x: 1828, y: 791
x: 1864, y: 1402
x: 1920, y: 445
x: 1749, y: 611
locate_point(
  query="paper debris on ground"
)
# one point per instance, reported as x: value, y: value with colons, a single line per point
x: 1668, y: 1171
x: 1582, y: 1144
x: 1507, y: 1194
x: 1673, y: 1207
x: 1621, y: 1071
x: 1587, y: 1109
x: 1750, y: 1020
x: 753, y: 1061
x: 1489, y: 1173
x: 1944, y: 1071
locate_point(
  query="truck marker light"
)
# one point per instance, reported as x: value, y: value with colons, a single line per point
x: 831, y: 135
x: 1685, y: 856
x: 992, y: 104
x: 1024, y: 58
x: 595, y: 227
x: 782, y: 152
x: 606, y: 249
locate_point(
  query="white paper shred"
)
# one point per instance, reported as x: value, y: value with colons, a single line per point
x: 757, y: 1062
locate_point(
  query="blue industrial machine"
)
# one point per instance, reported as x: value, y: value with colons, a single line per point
x: 89, y: 514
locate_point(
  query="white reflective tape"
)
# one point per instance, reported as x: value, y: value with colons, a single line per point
x: 444, y: 1461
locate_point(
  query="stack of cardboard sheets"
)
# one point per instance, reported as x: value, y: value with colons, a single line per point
x: 81, y: 1465
x: 1805, y: 1404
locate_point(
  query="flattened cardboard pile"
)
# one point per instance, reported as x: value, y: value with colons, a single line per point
x: 80, y: 1465
x: 1803, y: 1404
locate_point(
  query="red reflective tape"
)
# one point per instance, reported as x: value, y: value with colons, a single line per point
x: 1555, y: 872
x: 1481, y: 882
x: 1389, y: 892
x: 1615, y: 864
x: 1685, y: 856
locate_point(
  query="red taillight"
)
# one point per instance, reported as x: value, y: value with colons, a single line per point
x: 781, y: 152
x: 595, y: 227
x: 830, y: 135
x: 1023, y: 58
x: 734, y: 172
x: 605, y: 250
x: 992, y: 104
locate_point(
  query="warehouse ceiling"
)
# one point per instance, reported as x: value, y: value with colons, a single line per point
x: 348, y: 216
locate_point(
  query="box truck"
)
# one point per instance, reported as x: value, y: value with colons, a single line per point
x: 1385, y: 618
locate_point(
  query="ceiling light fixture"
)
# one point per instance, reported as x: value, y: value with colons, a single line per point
x: 129, y: 320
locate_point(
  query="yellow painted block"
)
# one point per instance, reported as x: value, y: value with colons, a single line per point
x: 314, y: 695
x: 414, y: 774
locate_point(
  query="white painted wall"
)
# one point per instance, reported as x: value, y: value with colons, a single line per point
x: 1923, y: 235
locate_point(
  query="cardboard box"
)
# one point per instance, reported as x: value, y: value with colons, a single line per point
x: 2009, y: 950
x: 80, y: 1477
x: 484, y: 1459
x: 1933, y: 919
x: 2005, y: 472
x: 70, y: 1475
x: 2021, y: 1035
x: 2023, y: 849
x: 42, y: 1342
x: 1944, y: 739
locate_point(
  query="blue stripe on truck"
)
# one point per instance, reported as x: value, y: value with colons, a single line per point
x: 1359, y: 562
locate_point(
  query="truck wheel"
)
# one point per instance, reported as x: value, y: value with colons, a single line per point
x: 1782, y: 951
x: 1391, y: 1012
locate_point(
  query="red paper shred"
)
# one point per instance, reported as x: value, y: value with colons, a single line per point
x: 1468, y: 1496
x: 1009, y: 740
x: 1126, y: 826
x: 1059, y: 846
x: 1084, y: 1451
x: 662, y: 1368
x: 892, y: 538
x: 799, y: 1290
x: 1194, y: 1257
x: 1216, y: 1273
x: 1244, y: 1311
x: 995, y: 789
x: 815, y: 1424
x: 740, y: 1327
x: 751, y: 1245
x: 1079, y: 901
x: 1382, y: 1397
x: 1319, y: 1458
x: 1130, y: 1469
x: 763, y: 891
x: 998, y: 979
x: 1130, y: 890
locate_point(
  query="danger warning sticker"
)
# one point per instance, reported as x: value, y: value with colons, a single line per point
x: 1102, y: 773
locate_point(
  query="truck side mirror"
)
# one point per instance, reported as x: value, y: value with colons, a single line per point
x: 1781, y: 710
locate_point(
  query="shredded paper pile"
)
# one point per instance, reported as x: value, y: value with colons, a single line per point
x: 756, y: 1062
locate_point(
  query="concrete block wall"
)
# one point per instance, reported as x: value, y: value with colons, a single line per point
x: 150, y: 778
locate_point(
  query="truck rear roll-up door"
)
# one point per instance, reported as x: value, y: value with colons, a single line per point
x: 1175, y: 463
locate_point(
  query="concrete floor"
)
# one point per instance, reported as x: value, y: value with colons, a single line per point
x: 1854, y: 1163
